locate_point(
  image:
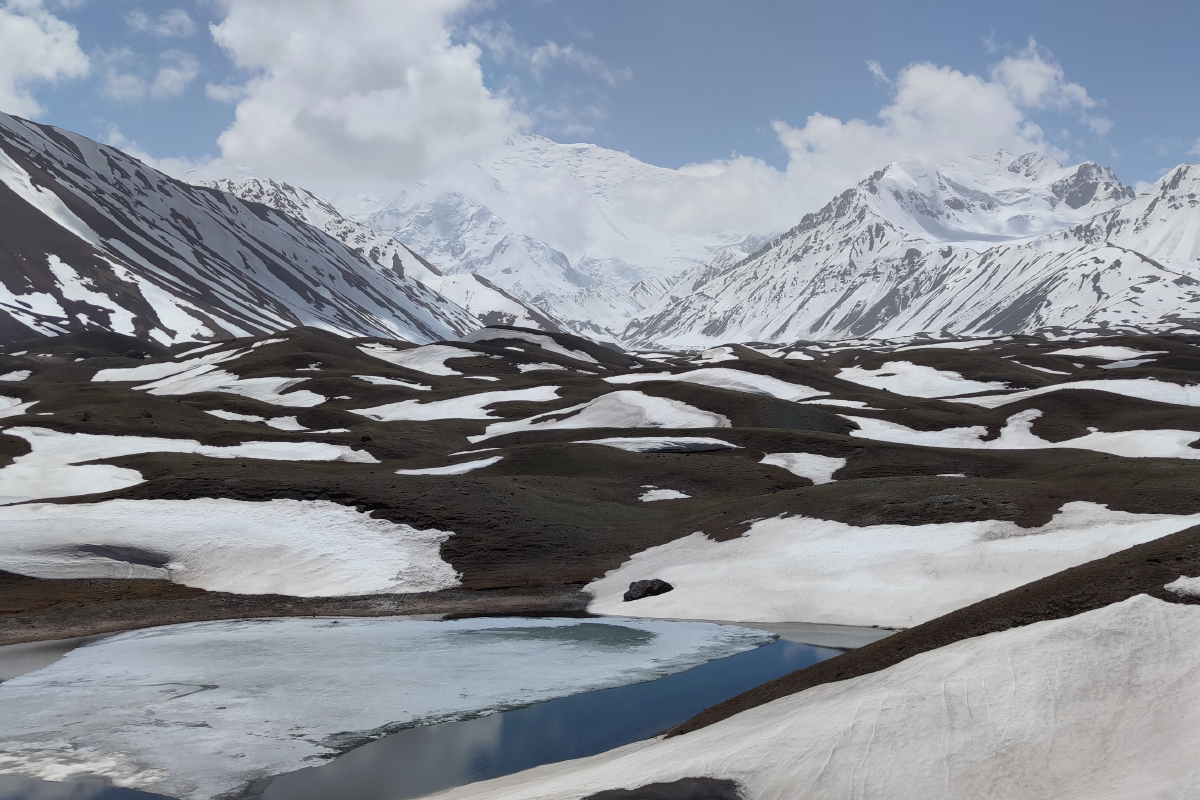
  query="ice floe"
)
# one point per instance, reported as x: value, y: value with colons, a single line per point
x: 817, y: 468
x: 430, y: 359
x: 800, y: 569
x: 453, y: 469
x: 16, y: 375
x: 471, y: 406
x: 293, y: 547
x: 1017, y: 434
x: 1107, y: 352
x: 1102, y: 704
x: 50, y: 470
x: 916, y: 380
x: 653, y: 495
x: 621, y: 409
x: 546, y: 343
x: 724, y: 378
x: 663, y: 444
x: 1142, y: 388
x: 379, y: 380
x: 206, y: 709
x: 1184, y: 586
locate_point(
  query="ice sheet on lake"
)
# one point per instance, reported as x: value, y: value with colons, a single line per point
x: 811, y: 570
x: 723, y: 378
x: 663, y: 444
x: 1100, y: 705
x: 623, y: 409
x: 295, y: 547
x: 817, y: 468
x: 50, y: 470
x: 1017, y: 434
x: 200, y: 710
x: 916, y: 380
x: 453, y: 469
x: 1142, y: 388
x: 471, y: 406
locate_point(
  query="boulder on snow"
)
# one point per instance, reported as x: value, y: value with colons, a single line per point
x: 650, y: 588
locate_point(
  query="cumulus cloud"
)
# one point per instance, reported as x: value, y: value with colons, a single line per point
x: 178, y: 71
x: 1036, y: 80
x: 35, y: 46
x: 357, y: 92
x: 173, y: 23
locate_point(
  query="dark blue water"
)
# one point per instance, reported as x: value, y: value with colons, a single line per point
x: 419, y: 761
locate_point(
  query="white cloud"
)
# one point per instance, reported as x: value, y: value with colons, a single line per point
x: 35, y: 46
x: 541, y: 57
x: 356, y: 92
x: 224, y: 93
x: 1195, y: 151
x: 172, y: 23
x: 175, y: 75
x: 878, y: 72
x: 1036, y: 80
x: 119, y: 84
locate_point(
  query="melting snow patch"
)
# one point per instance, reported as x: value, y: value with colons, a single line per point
x: 1106, y: 352
x: 379, y: 380
x: 1136, y: 362
x: 49, y: 471
x: 662, y: 494
x: 547, y: 343
x: 798, y: 355
x: 471, y: 406
x: 294, y: 547
x: 541, y: 366
x: 716, y: 355
x: 724, y: 378
x: 16, y: 375
x: 207, y: 378
x: 165, y: 369
x: 13, y: 407
x: 916, y: 380
x: 818, y: 469
x: 858, y: 404
x: 1184, y: 586
x: 207, y: 709
x: 623, y: 409
x: 430, y: 359
x: 279, y: 423
x: 1102, y: 704
x: 1142, y: 388
x: 1041, y: 369
x: 971, y: 345
x: 453, y: 469
x: 659, y: 444
x: 812, y: 570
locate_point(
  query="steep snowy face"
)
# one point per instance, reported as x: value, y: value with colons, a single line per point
x: 483, y: 300
x: 568, y: 228
x: 989, y: 199
x: 949, y: 248
x: 95, y: 240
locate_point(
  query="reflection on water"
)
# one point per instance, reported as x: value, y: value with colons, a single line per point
x: 420, y: 761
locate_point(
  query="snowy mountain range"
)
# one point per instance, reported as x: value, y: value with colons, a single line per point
x: 952, y: 246
x: 94, y: 239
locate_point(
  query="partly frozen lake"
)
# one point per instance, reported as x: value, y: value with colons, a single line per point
x: 206, y: 709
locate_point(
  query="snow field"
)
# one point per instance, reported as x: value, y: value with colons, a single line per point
x: 207, y: 378
x: 1106, y: 352
x: 165, y: 369
x: 292, y: 547
x: 50, y: 470
x: 430, y: 359
x: 800, y: 569
x: 1142, y: 388
x: 471, y: 406
x: 621, y: 409
x: 453, y: 469
x: 1100, y: 705
x: 916, y: 380
x: 657, y: 444
x: 818, y: 469
x: 1017, y: 434
x: 723, y: 378
x: 200, y: 710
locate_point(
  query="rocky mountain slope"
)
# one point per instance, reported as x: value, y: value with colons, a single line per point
x: 952, y: 246
x: 93, y: 239
x: 485, y: 301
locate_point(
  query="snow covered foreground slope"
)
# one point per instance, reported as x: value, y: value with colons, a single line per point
x: 92, y: 239
x: 954, y: 246
x: 1104, y: 704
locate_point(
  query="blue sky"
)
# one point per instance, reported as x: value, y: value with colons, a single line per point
x: 671, y: 82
